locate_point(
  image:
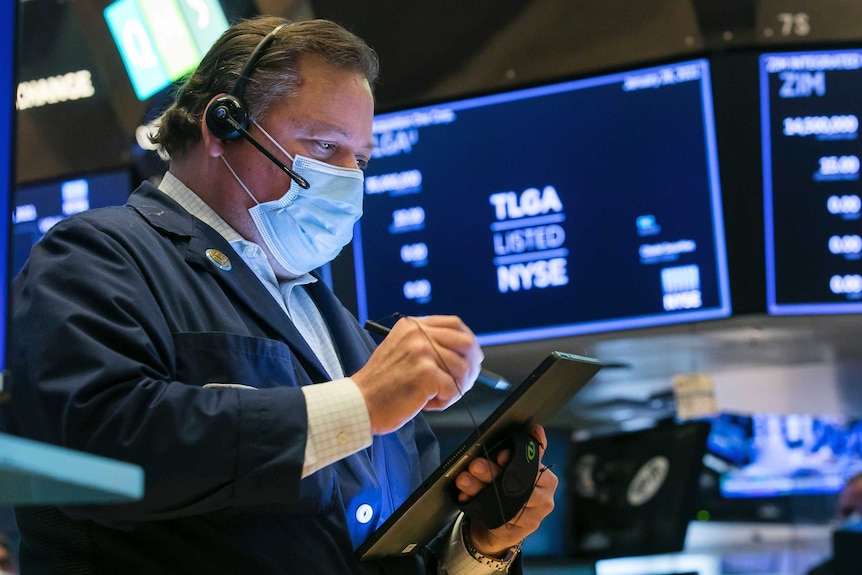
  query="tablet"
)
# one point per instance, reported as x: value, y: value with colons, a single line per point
x: 433, y: 505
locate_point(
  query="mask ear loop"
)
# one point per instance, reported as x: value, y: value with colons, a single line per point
x: 291, y: 195
x: 240, y: 182
x: 274, y: 143
x: 485, y: 452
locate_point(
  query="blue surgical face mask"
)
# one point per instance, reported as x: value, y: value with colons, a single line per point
x: 305, y: 229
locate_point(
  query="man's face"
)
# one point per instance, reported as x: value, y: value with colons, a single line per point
x: 329, y: 119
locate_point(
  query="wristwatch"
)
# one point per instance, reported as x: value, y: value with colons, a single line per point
x: 500, y: 564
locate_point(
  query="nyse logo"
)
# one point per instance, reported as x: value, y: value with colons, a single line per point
x: 680, y: 287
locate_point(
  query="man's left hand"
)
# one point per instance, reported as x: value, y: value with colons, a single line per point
x: 480, y: 473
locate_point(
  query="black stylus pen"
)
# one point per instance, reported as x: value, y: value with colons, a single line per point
x: 489, y: 378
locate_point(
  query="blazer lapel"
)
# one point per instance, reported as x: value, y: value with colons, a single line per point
x: 241, y: 282
x: 352, y: 344
x: 234, y: 275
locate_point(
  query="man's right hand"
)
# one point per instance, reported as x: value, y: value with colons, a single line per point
x: 424, y: 363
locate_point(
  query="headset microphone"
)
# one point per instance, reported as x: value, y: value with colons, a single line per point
x: 227, y: 117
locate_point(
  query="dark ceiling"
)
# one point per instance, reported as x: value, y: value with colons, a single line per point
x: 429, y: 50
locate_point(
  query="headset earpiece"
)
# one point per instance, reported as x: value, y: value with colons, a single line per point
x: 227, y: 117
x: 220, y: 111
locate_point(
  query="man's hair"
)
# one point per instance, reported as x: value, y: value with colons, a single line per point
x: 275, y: 76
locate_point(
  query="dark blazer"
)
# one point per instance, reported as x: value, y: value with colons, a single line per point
x: 119, y: 320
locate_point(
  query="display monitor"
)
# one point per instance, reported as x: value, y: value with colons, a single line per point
x: 577, y: 207
x: 811, y: 149
x: 39, y: 206
x: 769, y: 454
x: 634, y: 493
x: 162, y: 40
x: 8, y: 26
x: 778, y: 468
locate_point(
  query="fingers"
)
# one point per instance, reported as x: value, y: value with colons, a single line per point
x: 452, y: 347
x: 423, y: 363
x: 480, y: 472
x: 541, y: 502
x: 453, y: 342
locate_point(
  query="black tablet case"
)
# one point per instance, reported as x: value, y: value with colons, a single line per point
x: 433, y: 505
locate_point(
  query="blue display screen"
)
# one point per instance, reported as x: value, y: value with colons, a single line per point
x: 578, y: 207
x: 770, y: 455
x: 8, y: 22
x: 811, y: 149
x: 39, y: 206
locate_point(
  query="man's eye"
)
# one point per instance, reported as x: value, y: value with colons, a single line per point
x: 361, y: 164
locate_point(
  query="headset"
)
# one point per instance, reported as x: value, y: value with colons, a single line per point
x: 227, y: 116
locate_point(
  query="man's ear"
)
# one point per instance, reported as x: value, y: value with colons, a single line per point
x: 213, y: 138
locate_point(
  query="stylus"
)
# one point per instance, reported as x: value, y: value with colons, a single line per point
x: 489, y: 378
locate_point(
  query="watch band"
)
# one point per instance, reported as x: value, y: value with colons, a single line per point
x: 500, y: 564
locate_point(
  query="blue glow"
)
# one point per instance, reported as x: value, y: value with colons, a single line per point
x: 8, y: 23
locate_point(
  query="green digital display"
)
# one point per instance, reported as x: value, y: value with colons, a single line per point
x: 162, y: 40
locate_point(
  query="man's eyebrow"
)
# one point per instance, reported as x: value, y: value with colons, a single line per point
x: 309, y: 127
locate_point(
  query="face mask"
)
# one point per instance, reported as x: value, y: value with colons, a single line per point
x: 305, y: 229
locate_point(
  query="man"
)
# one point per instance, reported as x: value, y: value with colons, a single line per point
x: 849, y: 508
x: 184, y: 332
x: 845, y: 541
x: 7, y: 557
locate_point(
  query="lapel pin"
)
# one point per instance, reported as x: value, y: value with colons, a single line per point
x: 219, y: 259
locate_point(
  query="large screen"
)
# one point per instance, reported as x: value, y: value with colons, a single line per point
x: 769, y: 455
x: 810, y: 125
x: 39, y: 206
x: 8, y: 26
x: 577, y: 207
x: 777, y: 468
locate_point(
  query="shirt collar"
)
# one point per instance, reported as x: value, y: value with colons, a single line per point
x: 249, y: 251
x: 193, y: 204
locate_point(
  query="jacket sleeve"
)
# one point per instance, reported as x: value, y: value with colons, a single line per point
x: 98, y: 365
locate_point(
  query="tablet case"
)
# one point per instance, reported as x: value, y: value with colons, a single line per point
x: 433, y: 505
